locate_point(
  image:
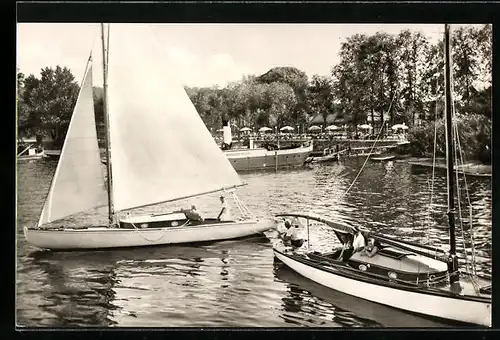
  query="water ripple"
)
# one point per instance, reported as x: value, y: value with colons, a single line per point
x: 238, y: 283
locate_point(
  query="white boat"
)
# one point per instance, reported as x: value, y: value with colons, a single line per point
x: 266, y: 156
x: 139, y: 118
x: 383, y: 158
x: 405, y: 275
x: 32, y: 154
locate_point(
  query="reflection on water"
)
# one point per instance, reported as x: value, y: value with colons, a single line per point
x: 237, y: 283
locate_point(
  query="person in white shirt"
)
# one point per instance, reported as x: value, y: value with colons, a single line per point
x: 225, y: 212
x: 358, y: 244
x: 359, y: 240
x: 292, y: 235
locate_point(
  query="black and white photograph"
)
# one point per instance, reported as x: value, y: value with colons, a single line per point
x: 250, y: 175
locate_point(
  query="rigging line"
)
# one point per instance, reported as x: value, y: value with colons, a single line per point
x: 468, y: 198
x: 466, y: 186
x: 467, y: 265
x: 460, y: 151
x: 371, y: 150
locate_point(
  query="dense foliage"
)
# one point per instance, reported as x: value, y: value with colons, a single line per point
x: 380, y: 78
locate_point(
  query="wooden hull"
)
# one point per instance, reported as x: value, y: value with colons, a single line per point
x: 430, y: 302
x: 255, y: 159
x: 104, y: 238
x: 55, y: 154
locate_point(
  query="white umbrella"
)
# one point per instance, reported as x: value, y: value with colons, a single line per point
x: 314, y: 128
x: 264, y: 129
x: 332, y: 127
x: 245, y: 129
x: 287, y: 128
x: 365, y: 126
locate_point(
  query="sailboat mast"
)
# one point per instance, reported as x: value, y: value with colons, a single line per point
x: 453, y: 261
x: 111, y: 212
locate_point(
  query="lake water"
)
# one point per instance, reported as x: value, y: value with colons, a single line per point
x: 239, y: 283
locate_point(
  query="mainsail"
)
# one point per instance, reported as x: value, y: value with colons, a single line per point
x: 78, y: 183
x: 161, y: 149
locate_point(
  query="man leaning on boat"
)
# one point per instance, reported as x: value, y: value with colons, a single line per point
x: 292, y: 234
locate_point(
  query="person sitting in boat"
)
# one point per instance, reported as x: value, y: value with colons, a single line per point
x: 193, y: 214
x: 292, y: 235
x: 371, y: 248
x: 359, y: 240
x: 346, y: 250
x: 225, y: 212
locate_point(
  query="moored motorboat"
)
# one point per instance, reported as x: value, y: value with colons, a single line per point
x: 266, y: 156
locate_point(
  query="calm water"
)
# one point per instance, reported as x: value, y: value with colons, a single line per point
x: 238, y: 283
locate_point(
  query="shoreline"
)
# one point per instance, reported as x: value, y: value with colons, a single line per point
x: 469, y: 168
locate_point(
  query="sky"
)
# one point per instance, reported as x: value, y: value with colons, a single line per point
x: 204, y: 54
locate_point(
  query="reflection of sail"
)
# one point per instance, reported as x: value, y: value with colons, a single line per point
x: 80, y: 289
x: 332, y: 308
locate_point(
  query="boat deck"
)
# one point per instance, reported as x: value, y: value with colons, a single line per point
x: 477, y: 287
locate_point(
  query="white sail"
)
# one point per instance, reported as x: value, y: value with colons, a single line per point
x: 78, y: 183
x: 160, y: 148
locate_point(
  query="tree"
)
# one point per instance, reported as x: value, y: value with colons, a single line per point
x: 320, y: 96
x: 50, y: 101
x: 281, y: 98
x: 412, y: 53
x: 23, y: 123
x: 465, y: 61
x: 295, y: 78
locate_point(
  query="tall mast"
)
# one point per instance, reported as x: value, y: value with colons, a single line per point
x: 453, y: 261
x: 111, y: 210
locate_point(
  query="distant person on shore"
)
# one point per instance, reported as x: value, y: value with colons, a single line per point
x: 225, y: 212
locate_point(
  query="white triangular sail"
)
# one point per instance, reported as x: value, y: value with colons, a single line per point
x: 78, y: 183
x: 160, y: 148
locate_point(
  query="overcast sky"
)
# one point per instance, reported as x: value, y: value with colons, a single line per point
x: 204, y: 54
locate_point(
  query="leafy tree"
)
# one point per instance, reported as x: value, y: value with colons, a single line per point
x: 50, y: 101
x: 282, y: 101
x: 321, y: 96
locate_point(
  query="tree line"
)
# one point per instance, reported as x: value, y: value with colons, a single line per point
x: 380, y: 78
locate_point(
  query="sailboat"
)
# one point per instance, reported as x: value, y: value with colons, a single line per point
x: 409, y: 276
x: 141, y: 117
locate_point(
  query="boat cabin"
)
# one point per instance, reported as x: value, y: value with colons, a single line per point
x: 389, y: 262
x: 174, y: 219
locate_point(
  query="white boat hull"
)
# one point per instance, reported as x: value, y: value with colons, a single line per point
x: 103, y: 238
x: 254, y: 159
x: 468, y: 311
